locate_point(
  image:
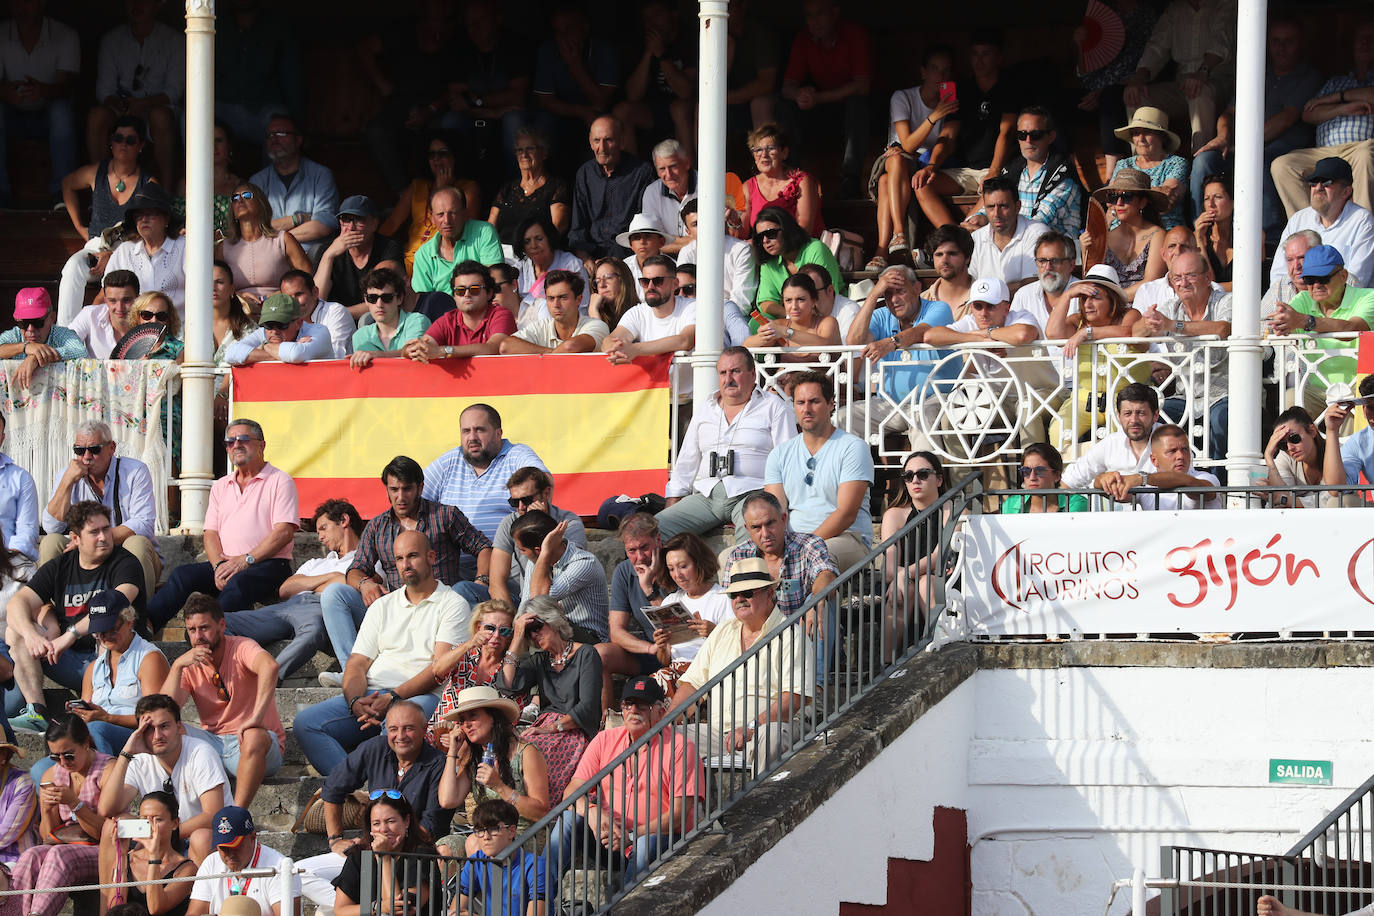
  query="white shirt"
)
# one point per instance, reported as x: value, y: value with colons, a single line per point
x: 543, y: 334
x: 196, y: 771
x: 713, y: 606
x: 1110, y: 453
x: 58, y: 51
x: 266, y: 891
x: 642, y: 324
x: 92, y: 325
x: 340, y: 324
x: 399, y: 636
x: 1352, y: 234
x: 844, y: 311
x: 1168, y: 501
x: 766, y: 421
x: 1013, y: 263
x: 741, y: 273
x: 162, y: 271
x: 664, y: 208
x: 907, y: 105
x: 1157, y: 292
x: 969, y: 325
x: 157, y: 64
x: 319, y: 346
x: 534, y: 304
x: 323, y: 566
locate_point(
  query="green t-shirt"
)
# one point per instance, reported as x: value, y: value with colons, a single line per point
x: 1355, y: 303
x: 479, y: 242
x: 773, y: 272
x: 412, y: 326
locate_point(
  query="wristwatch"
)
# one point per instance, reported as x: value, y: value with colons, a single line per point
x: 790, y: 331
x: 1178, y: 326
x: 249, y: 559
x: 448, y: 352
x: 1144, y: 478
x: 1311, y: 323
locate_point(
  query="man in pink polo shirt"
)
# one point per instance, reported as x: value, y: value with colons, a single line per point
x: 249, y: 527
x: 233, y: 682
x: 475, y: 328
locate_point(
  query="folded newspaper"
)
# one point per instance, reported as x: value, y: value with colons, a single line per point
x: 675, y: 618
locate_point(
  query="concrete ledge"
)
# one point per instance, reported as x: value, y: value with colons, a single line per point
x: 1178, y: 654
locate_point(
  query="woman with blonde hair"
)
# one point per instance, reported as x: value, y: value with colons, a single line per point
x: 256, y: 253
x: 475, y: 663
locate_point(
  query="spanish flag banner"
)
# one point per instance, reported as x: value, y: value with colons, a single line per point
x: 600, y: 429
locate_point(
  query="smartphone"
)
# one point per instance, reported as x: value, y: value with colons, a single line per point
x: 948, y: 92
x: 134, y: 828
x: 78, y: 704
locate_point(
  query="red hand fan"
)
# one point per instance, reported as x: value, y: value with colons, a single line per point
x: 1104, y: 37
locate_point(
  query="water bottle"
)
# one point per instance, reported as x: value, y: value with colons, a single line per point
x: 489, y: 755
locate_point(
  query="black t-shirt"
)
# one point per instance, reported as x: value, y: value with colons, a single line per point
x: 350, y: 880
x: 980, y: 116
x: 346, y: 278
x: 69, y: 587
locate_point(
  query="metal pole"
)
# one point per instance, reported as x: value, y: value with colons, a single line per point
x: 197, y: 372
x: 711, y: 199
x: 1138, y: 892
x: 1244, y: 359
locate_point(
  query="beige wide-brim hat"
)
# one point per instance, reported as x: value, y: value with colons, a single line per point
x: 483, y: 698
x: 14, y: 749
x: 1150, y: 119
x: 642, y: 223
x: 750, y: 572
x: 1136, y: 181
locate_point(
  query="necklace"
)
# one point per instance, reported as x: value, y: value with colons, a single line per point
x: 563, y: 656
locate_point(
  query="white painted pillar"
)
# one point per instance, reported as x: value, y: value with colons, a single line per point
x: 710, y: 198
x: 1243, y: 366
x: 197, y: 373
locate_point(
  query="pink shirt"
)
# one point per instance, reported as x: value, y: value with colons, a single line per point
x: 243, y: 517
x: 647, y: 791
x: 221, y: 717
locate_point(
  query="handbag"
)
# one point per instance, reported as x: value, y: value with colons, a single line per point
x: 73, y: 834
x: 311, y: 818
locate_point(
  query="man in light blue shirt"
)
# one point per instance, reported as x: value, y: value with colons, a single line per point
x: 283, y: 335
x: 18, y: 504
x: 473, y: 476
x: 304, y: 200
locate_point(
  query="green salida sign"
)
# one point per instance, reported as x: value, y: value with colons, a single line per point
x: 1300, y: 772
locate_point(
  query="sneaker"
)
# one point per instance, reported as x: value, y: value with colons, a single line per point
x: 331, y: 678
x: 29, y: 720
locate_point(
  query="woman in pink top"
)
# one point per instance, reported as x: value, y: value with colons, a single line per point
x: 776, y: 185
x: 256, y: 253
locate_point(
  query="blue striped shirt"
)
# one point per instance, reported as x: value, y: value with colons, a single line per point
x: 451, y: 480
x: 18, y: 508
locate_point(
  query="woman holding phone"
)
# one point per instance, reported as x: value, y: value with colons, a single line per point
x: 149, y: 851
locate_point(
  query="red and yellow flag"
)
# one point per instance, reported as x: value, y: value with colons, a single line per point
x: 600, y: 429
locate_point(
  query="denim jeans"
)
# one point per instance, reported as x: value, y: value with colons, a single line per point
x: 68, y: 671
x: 298, y: 619
x: 343, y: 610
x: 55, y: 123
x: 258, y: 582
x: 573, y: 839
x: 327, y: 731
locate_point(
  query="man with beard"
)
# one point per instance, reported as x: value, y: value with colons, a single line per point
x: 304, y: 200
x: 401, y: 636
x: 1003, y: 249
x: 663, y: 322
x: 475, y: 328
x: 237, y: 848
x: 159, y: 755
x: 1044, y: 178
x: 1126, y: 451
x: 950, y: 249
x: 451, y: 536
x: 250, y: 525
x: 233, y: 682
x: 607, y: 193
x: 100, y: 327
x: 458, y: 240
x: 1054, y: 256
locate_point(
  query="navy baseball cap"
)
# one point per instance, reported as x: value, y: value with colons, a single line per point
x: 1332, y: 168
x: 102, y: 610
x: 644, y: 689
x: 232, y: 824
x: 1321, y: 261
x: 357, y: 205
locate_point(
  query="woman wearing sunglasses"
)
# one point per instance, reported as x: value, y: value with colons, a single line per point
x: 613, y: 291
x: 156, y: 857
x: 781, y: 247
x: 911, y: 566
x: 805, y: 324
x: 391, y: 827
x: 515, y: 772
x: 1135, y: 242
x: 257, y: 253
x: 1041, y: 469
x: 1294, y: 457
x: 476, y: 663
x: 69, y: 826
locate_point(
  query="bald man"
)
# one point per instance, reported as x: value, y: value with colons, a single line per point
x: 606, y: 194
x: 459, y: 239
x: 401, y: 636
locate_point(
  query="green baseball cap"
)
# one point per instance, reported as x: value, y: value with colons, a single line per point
x: 279, y: 307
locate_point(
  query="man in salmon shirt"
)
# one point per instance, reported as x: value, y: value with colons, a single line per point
x: 249, y: 527
x: 233, y: 682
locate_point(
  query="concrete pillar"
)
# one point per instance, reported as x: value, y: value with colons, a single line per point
x: 711, y: 198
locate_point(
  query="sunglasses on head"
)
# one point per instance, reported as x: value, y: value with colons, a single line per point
x: 647, y: 282
x: 687, y: 289
x: 275, y: 325
x: 767, y: 235
x: 79, y: 450
x: 921, y: 474
x: 68, y: 756
x: 242, y: 195
x: 31, y: 322
x: 1031, y: 135
x: 1119, y: 197
x: 1315, y: 281
x: 392, y: 794
x: 384, y: 298
x: 515, y: 502
x: 503, y: 632
x: 154, y: 316
x: 534, y: 626
x: 230, y: 441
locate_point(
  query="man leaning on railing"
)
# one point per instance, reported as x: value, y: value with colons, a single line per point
x: 1270, y: 906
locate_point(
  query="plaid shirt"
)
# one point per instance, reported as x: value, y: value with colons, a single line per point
x: 1346, y: 128
x: 450, y: 535
x: 1186, y: 35
x: 1060, y: 209
x: 804, y: 558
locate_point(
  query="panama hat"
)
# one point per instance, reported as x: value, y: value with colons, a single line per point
x: 1135, y: 181
x: 1150, y: 119
x: 482, y: 698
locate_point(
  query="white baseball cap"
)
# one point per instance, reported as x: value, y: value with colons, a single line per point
x: 990, y: 290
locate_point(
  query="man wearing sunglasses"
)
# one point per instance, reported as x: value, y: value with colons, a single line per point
x: 392, y: 326
x: 1342, y: 223
x: 123, y: 485
x: 1045, y: 181
x: 282, y: 335
x: 663, y: 321
x: 36, y: 338
x: 529, y: 488
x: 1005, y: 247
x: 354, y: 254
x: 233, y: 682
x: 249, y: 528
x: 100, y: 327
x: 475, y: 328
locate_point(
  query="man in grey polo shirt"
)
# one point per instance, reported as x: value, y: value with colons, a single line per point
x: 529, y: 488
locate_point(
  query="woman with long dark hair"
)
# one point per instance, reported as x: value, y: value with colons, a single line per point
x: 1042, y: 468
x: 912, y: 566
x: 1294, y: 456
x: 155, y: 857
x: 390, y: 826
x: 781, y: 247
x: 804, y: 325
x: 613, y: 291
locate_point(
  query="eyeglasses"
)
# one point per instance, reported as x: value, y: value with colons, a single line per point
x: 515, y: 502
x: 393, y: 794
x: 647, y: 282
x: 1032, y: 135
x: 636, y: 704
x: 440, y: 153
x: 154, y: 316
x: 219, y: 686
x: 1319, y: 281
x: 764, y: 150
x: 31, y: 322
x: 242, y: 195
x: 1321, y: 182
x: 601, y: 281
x: 1027, y: 471
x: 1119, y: 197
x: 468, y: 290
x: 278, y: 134
x: 744, y: 593
x: 68, y: 756
x: 489, y: 833
x: 79, y: 450
x: 231, y: 441
x: 275, y: 325
x: 687, y: 289
x: 503, y: 632
x: 767, y: 235
x: 921, y: 474
x: 384, y: 298
x: 127, y: 139
x: 1050, y: 262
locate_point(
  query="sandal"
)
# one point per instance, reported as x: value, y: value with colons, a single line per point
x: 898, y: 243
x: 877, y: 262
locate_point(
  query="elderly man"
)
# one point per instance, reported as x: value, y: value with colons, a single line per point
x: 1156, y: 292
x: 665, y: 200
x: 300, y: 190
x: 399, y: 759
x: 800, y: 562
x: 336, y: 319
x: 475, y: 328
x: 722, y: 457
x: 1283, y: 289
x: 100, y: 327
x: 753, y: 714
x: 1125, y: 451
x: 298, y: 617
x: 283, y: 335
x: 1196, y: 35
x: 356, y: 252
x: 607, y: 193
x: 1342, y: 223
x: 233, y: 683
x: 18, y: 504
x: 249, y: 527
x: 401, y: 636
x: 639, y: 807
x: 568, y: 574
x: 39, y: 62
x: 741, y: 272
x: 392, y: 327
x: 1054, y: 258
x: 374, y: 573
x: 1005, y: 247
x: 237, y: 848
x: 46, y: 629
x: 1197, y: 308
x: 124, y: 485
x: 529, y: 488
x: 458, y: 241
x: 36, y: 336
x: 1343, y: 112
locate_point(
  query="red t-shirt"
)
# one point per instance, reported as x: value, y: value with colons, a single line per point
x: 830, y: 68
x: 451, y: 331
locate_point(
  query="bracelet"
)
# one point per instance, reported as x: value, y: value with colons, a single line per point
x: 513, y: 796
x: 221, y: 563
x: 334, y: 838
x: 126, y: 755
x: 484, y: 579
x: 154, y: 861
x: 510, y: 658
x: 352, y: 701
